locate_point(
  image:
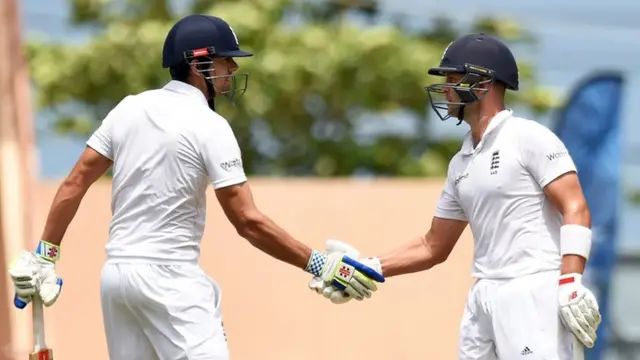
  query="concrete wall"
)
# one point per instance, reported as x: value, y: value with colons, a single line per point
x: 268, y: 310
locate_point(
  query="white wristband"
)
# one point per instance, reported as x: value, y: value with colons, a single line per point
x: 575, y: 240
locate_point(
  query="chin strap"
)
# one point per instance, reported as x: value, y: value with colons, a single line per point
x: 210, y: 89
x: 212, y: 95
x: 460, y: 115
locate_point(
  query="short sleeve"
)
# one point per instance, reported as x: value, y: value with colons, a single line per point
x: 100, y: 140
x: 222, y: 156
x: 545, y: 156
x: 448, y: 206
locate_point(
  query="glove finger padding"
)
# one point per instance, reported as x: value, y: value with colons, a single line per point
x: 327, y: 291
x: 584, y: 316
x: 587, y: 337
x: 21, y: 302
x: 316, y: 284
x: 579, y: 316
x: 340, y: 297
x: 593, y: 309
x: 365, y: 281
x: 357, y: 287
x: 24, y: 274
x: 336, y: 296
x: 50, y: 290
x: 354, y: 293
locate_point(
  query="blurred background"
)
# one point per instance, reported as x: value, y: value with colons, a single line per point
x: 336, y: 91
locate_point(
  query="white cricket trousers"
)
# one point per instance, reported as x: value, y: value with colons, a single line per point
x: 165, y: 312
x: 510, y: 319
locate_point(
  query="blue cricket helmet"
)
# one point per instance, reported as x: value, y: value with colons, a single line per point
x: 482, y: 59
x: 198, y: 35
x: 203, y: 37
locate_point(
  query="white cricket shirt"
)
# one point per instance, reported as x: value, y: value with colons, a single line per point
x: 498, y: 188
x: 167, y: 146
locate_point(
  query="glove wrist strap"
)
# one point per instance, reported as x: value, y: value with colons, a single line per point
x: 573, y: 278
x: 316, y: 263
x: 48, y: 251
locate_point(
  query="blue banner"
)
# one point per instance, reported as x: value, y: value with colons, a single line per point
x: 590, y: 126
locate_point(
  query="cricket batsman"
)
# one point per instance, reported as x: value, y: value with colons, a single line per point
x: 514, y: 182
x: 166, y: 146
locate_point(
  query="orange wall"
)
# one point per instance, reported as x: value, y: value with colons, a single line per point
x: 268, y: 310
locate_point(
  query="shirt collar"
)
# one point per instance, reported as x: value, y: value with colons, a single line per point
x: 494, y: 123
x: 186, y: 89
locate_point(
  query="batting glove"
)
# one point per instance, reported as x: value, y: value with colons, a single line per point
x: 579, y: 309
x: 319, y: 286
x: 35, y: 272
x: 338, y: 296
x: 344, y: 273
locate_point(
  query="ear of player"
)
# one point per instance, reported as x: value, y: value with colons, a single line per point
x: 344, y: 278
x: 35, y: 272
x: 579, y: 309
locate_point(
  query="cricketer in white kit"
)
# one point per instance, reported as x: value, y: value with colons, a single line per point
x: 166, y: 146
x: 515, y: 184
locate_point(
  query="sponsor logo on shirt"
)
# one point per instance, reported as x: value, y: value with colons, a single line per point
x: 230, y: 164
x: 557, y: 155
x: 459, y: 178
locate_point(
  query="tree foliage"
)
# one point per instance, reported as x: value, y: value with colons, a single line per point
x: 323, y: 72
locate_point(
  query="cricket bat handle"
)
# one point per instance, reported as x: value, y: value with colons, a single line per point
x: 40, y: 350
x: 578, y: 349
x: 38, y: 323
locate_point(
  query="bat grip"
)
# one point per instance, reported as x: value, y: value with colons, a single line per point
x: 578, y: 349
x: 38, y: 323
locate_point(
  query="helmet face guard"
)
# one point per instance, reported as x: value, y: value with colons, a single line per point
x: 205, y: 67
x: 473, y: 86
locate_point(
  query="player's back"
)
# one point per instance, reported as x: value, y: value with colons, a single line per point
x: 159, y: 178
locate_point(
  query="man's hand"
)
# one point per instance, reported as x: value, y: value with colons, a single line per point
x: 325, y: 288
x: 332, y: 246
x: 340, y: 297
x: 331, y: 292
x: 344, y: 273
x: 579, y: 309
x: 351, y: 276
x: 34, y: 272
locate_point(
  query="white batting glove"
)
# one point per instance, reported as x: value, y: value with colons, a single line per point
x: 318, y: 285
x: 331, y: 292
x: 340, y: 297
x: 579, y: 309
x: 343, y: 273
x: 35, y: 272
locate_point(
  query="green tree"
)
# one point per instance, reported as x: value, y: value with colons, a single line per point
x: 321, y: 70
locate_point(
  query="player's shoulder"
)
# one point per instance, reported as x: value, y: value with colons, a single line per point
x: 457, y: 162
x: 213, y: 126
x: 214, y: 121
x: 136, y: 101
x: 526, y: 127
x: 123, y: 109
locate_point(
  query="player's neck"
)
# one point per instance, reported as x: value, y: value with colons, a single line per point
x: 197, y: 82
x: 480, y: 121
